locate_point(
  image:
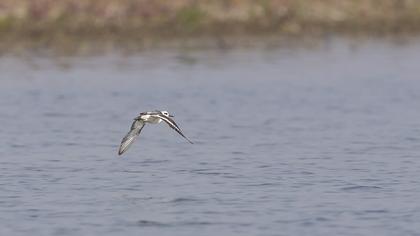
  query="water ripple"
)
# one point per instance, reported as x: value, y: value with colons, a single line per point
x: 361, y: 188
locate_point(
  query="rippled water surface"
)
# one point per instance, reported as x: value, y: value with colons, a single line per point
x: 322, y: 140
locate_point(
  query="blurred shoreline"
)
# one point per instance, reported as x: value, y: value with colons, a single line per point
x: 142, y: 23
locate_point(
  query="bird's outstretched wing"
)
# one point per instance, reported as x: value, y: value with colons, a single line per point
x: 173, y: 125
x: 131, y: 136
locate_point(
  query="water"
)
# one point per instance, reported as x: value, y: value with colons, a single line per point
x: 320, y: 140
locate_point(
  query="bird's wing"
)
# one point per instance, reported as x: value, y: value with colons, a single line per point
x: 173, y: 125
x: 131, y: 136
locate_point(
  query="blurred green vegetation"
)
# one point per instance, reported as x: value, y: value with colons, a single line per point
x: 57, y: 18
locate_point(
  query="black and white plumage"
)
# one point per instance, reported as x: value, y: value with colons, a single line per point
x: 151, y: 117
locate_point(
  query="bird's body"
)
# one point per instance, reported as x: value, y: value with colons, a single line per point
x: 151, y: 117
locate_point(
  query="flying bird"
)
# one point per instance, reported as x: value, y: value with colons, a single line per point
x: 151, y: 117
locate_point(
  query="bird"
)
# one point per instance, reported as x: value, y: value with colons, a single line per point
x: 151, y: 117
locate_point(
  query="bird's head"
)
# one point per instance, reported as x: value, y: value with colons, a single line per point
x: 165, y: 113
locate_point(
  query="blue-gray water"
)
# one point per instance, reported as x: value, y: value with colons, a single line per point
x: 321, y: 140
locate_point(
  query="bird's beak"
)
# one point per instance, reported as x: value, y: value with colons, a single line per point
x: 171, y: 116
